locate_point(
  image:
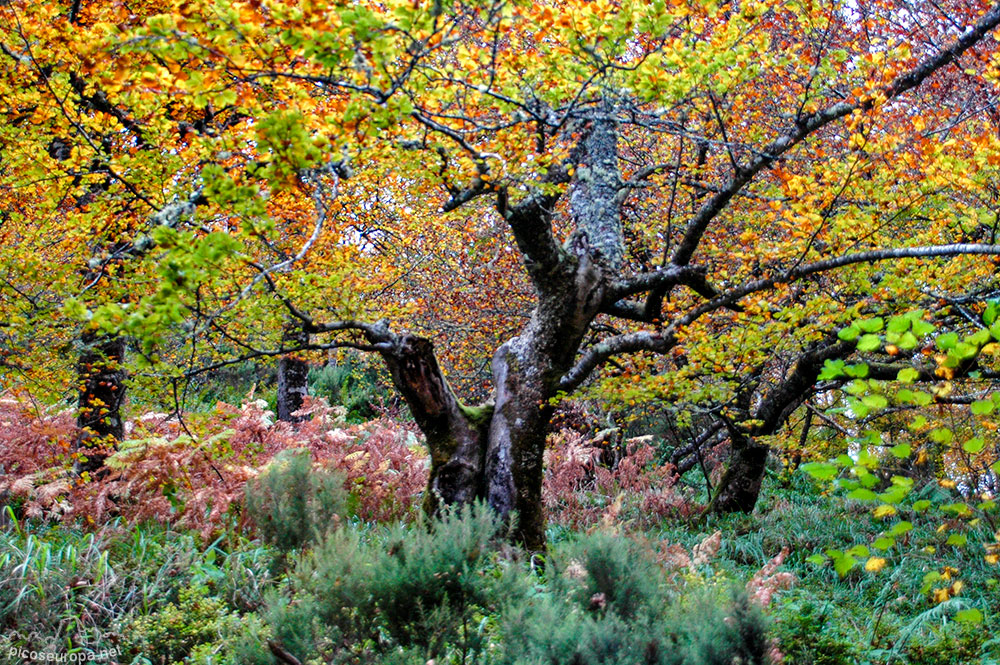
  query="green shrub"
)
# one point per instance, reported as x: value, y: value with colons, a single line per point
x: 353, y: 383
x: 429, y: 580
x: 445, y: 593
x: 608, y: 571
x: 607, y: 602
x: 413, y: 589
x: 292, y: 504
x: 168, y: 636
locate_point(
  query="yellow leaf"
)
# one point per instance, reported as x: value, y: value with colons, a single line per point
x: 875, y: 564
x: 885, y: 511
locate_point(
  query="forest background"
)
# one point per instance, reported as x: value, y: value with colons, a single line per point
x: 669, y: 274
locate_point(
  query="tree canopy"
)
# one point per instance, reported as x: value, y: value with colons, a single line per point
x: 510, y: 201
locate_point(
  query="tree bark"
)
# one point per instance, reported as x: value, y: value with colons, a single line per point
x: 739, y: 488
x: 102, y: 393
x: 455, y: 433
x: 293, y: 375
x: 496, y: 451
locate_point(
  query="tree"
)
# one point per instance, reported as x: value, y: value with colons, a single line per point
x: 672, y: 177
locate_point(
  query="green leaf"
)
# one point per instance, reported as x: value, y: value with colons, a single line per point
x: 921, y: 506
x: 901, y: 450
x: 849, y: 334
x: 858, y: 371
x: 857, y: 408
x: 964, y: 350
x: 995, y: 330
x: 907, y: 341
x: 894, y: 495
x: 969, y: 615
x: 979, y: 338
x: 869, y: 342
x: 957, y: 539
x: 974, y: 446
x: 862, y: 494
x: 907, y: 375
x: 942, y: 435
x: 821, y: 470
x: 858, y: 550
x: 875, y: 401
x: 899, y: 528
x: 990, y: 314
x: 982, y: 406
x: 832, y: 369
x: 818, y: 559
x: 898, y: 325
x: 883, y: 543
x: 844, y: 564
x: 922, y: 328
x: 947, y: 341
x: 871, y: 325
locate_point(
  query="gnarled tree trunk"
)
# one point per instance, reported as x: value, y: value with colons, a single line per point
x: 102, y: 394
x: 496, y: 451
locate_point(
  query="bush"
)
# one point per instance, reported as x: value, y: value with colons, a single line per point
x: 444, y: 593
x: 608, y: 602
x: 412, y: 589
x: 168, y: 636
x: 352, y: 383
x: 292, y: 504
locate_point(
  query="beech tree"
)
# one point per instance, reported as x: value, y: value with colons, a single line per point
x: 697, y: 194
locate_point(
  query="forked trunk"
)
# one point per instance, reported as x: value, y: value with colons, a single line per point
x: 102, y: 393
x: 496, y: 451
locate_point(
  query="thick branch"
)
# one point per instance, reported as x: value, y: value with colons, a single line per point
x: 662, y: 341
x: 730, y: 297
x: 598, y: 354
x: 779, y: 403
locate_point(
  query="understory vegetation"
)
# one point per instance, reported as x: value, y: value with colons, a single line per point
x: 282, y: 544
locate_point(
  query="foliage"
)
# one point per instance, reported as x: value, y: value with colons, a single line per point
x: 447, y: 592
x: 922, y: 465
x: 172, y: 632
x: 293, y: 505
x: 571, y: 183
x: 352, y: 383
x: 165, y: 474
x: 607, y: 602
x: 65, y: 589
x: 685, y: 573
x: 592, y: 481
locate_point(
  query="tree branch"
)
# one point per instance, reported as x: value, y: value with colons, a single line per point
x: 809, y: 124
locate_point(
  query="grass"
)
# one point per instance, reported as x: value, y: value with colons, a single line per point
x: 64, y: 588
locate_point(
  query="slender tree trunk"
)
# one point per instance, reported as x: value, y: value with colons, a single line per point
x: 739, y: 488
x: 102, y: 394
x: 293, y: 376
